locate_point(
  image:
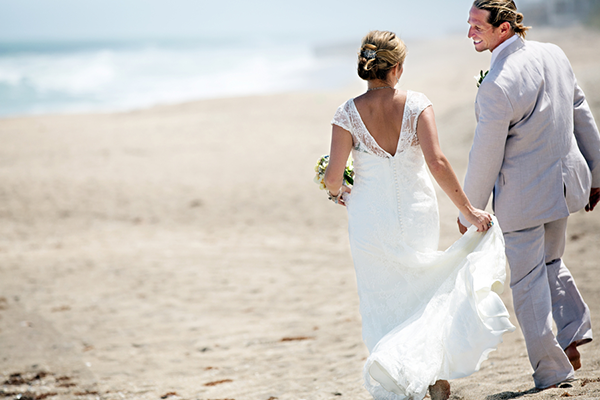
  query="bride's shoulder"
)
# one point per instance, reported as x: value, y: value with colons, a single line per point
x: 417, y: 100
x: 416, y: 96
x: 343, y: 110
x: 343, y: 115
x: 346, y: 105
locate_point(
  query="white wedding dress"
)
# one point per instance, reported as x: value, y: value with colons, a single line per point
x: 427, y: 315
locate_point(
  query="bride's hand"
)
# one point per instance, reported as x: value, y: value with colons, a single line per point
x: 344, y: 189
x: 481, y: 219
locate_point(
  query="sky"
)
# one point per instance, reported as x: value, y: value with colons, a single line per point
x: 318, y: 20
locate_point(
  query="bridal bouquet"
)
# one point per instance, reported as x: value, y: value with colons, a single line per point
x: 322, y: 166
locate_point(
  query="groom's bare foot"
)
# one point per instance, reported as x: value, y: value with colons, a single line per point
x: 561, y: 385
x: 574, y: 356
x: 440, y: 391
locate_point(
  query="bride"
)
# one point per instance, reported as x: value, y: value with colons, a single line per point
x: 428, y: 316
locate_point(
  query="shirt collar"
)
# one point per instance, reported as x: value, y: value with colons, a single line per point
x: 501, y: 47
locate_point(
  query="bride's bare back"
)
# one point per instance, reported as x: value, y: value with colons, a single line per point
x: 382, y: 112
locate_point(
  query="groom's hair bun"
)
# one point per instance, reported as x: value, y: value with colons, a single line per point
x: 503, y: 11
x: 379, y: 52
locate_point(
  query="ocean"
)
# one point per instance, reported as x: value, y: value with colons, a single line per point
x: 96, y: 76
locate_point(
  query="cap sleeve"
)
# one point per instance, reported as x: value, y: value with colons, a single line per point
x: 422, y: 101
x: 419, y: 102
x: 341, y: 117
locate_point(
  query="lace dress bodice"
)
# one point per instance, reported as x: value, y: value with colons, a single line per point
x: 347, y: 117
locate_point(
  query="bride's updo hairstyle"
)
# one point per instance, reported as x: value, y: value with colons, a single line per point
x: 380, y: 51
x: 503, y: 11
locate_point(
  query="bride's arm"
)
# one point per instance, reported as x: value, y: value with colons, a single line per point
x: 341, y: 146
x: 443, y: 173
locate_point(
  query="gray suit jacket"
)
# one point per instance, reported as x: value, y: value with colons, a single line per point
x: 536, y: 145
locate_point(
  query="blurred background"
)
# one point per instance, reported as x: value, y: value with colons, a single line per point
x: 67, y: 56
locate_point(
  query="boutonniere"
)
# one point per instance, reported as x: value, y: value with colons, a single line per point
x: 481, y: 76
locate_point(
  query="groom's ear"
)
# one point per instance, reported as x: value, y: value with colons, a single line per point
x: 505, y: 30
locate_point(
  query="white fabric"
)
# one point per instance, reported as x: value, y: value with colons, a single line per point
x: 427, y: 315
x: 501, y: 47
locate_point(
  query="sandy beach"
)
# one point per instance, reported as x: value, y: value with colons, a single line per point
x: 184, y: 252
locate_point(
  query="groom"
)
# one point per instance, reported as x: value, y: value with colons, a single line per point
x: 537, y: 148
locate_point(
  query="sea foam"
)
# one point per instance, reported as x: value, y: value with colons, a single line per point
x: 89, y: 77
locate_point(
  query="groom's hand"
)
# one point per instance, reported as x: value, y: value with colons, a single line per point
x: 594, y: 198
x: 461, y: 228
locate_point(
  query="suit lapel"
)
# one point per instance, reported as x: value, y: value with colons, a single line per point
x: 498, y: 62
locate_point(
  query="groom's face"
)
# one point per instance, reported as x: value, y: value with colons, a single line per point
x: 484, y: 35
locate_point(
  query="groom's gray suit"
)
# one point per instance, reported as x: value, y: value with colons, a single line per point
x: 537, y: 148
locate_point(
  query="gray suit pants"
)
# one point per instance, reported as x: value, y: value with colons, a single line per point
x: 543, y: 289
